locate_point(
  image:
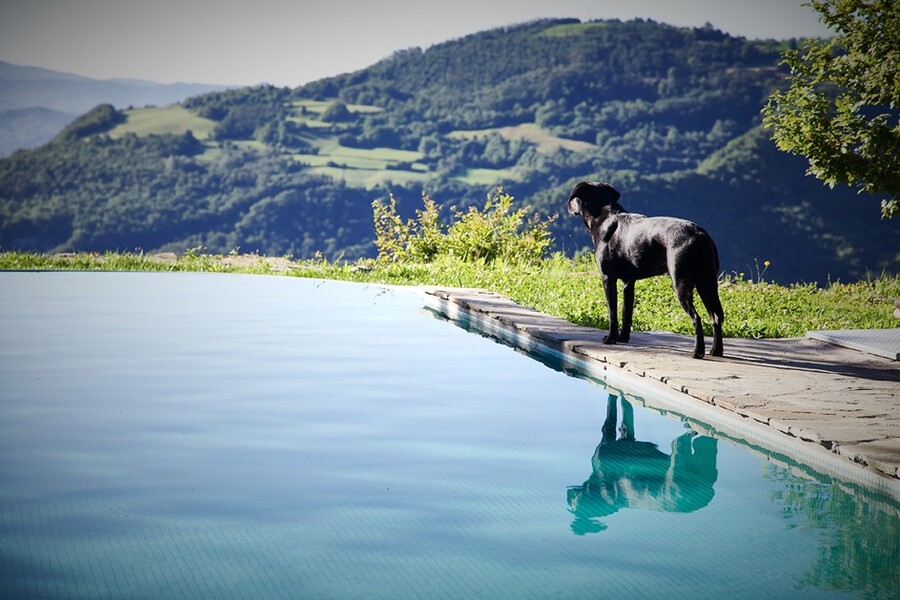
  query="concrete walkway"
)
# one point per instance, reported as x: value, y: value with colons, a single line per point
x: 808, y: 393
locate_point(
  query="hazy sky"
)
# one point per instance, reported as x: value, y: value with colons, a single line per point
x: 289, y: 43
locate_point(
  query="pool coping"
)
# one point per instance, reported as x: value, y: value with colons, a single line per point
x: 880, y: 342
x: 821, y: 404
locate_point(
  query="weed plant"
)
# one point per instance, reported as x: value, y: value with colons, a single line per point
x: 495, y: 233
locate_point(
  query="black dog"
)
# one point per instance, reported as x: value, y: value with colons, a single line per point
x: 630, y: 247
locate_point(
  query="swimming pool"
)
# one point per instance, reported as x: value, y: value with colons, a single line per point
x: 197, y: 435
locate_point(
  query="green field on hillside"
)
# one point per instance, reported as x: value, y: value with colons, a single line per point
x: 568, y: 29
x: 358, y: 158
x: 173, y: 119
x: 370, y: 178
x: 359, y: 167
x: 488, y: 177
x: 320, y: 106
x: 362, y: 167
x: 308, y: 113
x: 533, y: 133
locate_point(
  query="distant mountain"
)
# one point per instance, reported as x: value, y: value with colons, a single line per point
x: 670, y: 116
x: 63, y: 96
x: 29, y: 127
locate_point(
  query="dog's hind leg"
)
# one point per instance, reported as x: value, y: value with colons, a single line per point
x: 627, y: 310
x: 709, y: 294
x: 684, y: 291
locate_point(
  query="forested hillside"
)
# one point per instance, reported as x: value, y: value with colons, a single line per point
x: 670, y: 116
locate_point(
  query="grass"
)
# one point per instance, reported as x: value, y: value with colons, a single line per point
x: 370, y: 167
x: 557, y: 286
x: 486, y: 177
x: 174, y: 119
x: 309, y: 112
x: 364, y: 158
x: 362, y: 167
x: 370, y: 178
x: 529, y: 132
x: 320, y: 106
x: 572, y: 29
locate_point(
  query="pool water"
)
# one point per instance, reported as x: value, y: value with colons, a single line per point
x: 224, y: 436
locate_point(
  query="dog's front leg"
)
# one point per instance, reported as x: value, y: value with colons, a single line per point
x: 609, y: 289
x: 627, y: 310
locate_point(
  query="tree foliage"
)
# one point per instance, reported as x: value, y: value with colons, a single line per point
x: 99, y: 119
x: 842, y: 109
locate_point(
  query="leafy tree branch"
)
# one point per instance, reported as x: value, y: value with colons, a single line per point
x: 842, y: 109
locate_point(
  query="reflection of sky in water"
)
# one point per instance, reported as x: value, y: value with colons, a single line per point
x: 184, y: 434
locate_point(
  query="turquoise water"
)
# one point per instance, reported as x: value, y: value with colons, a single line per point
x: 196, y: 435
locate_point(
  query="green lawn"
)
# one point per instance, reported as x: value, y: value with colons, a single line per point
x: 557, y: 286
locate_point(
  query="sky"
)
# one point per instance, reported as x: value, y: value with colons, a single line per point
x: 289, y: 43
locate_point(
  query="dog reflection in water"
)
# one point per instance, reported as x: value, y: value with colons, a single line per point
x: 632, y: 474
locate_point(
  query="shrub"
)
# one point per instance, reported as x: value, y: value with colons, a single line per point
x: 496, y: 232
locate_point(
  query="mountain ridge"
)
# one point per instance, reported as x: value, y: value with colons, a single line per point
x: 669, y: 115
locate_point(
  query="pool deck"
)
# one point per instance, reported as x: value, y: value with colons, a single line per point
x: 812, y: 392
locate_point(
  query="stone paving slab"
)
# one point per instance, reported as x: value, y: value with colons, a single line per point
x: 811, y: 391
x: 880, y: 342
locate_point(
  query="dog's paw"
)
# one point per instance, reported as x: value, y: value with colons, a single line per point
x: 610, y: 339
x: 624, y: 337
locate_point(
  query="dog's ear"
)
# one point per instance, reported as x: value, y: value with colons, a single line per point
x: 607, y: 192
x: 576, y: 199
x: 574, y: 205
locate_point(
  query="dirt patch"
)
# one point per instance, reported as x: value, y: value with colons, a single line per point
x: 248, y: 261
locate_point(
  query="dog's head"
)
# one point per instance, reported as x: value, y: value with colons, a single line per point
x: 589, y: 198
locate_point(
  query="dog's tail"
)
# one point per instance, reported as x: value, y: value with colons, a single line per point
x: 715, y: 256
x: 710, y: 253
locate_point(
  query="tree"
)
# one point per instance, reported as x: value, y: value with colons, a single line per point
x: 337, y: 113
x: 99, y: 119
x: 842, y: 109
